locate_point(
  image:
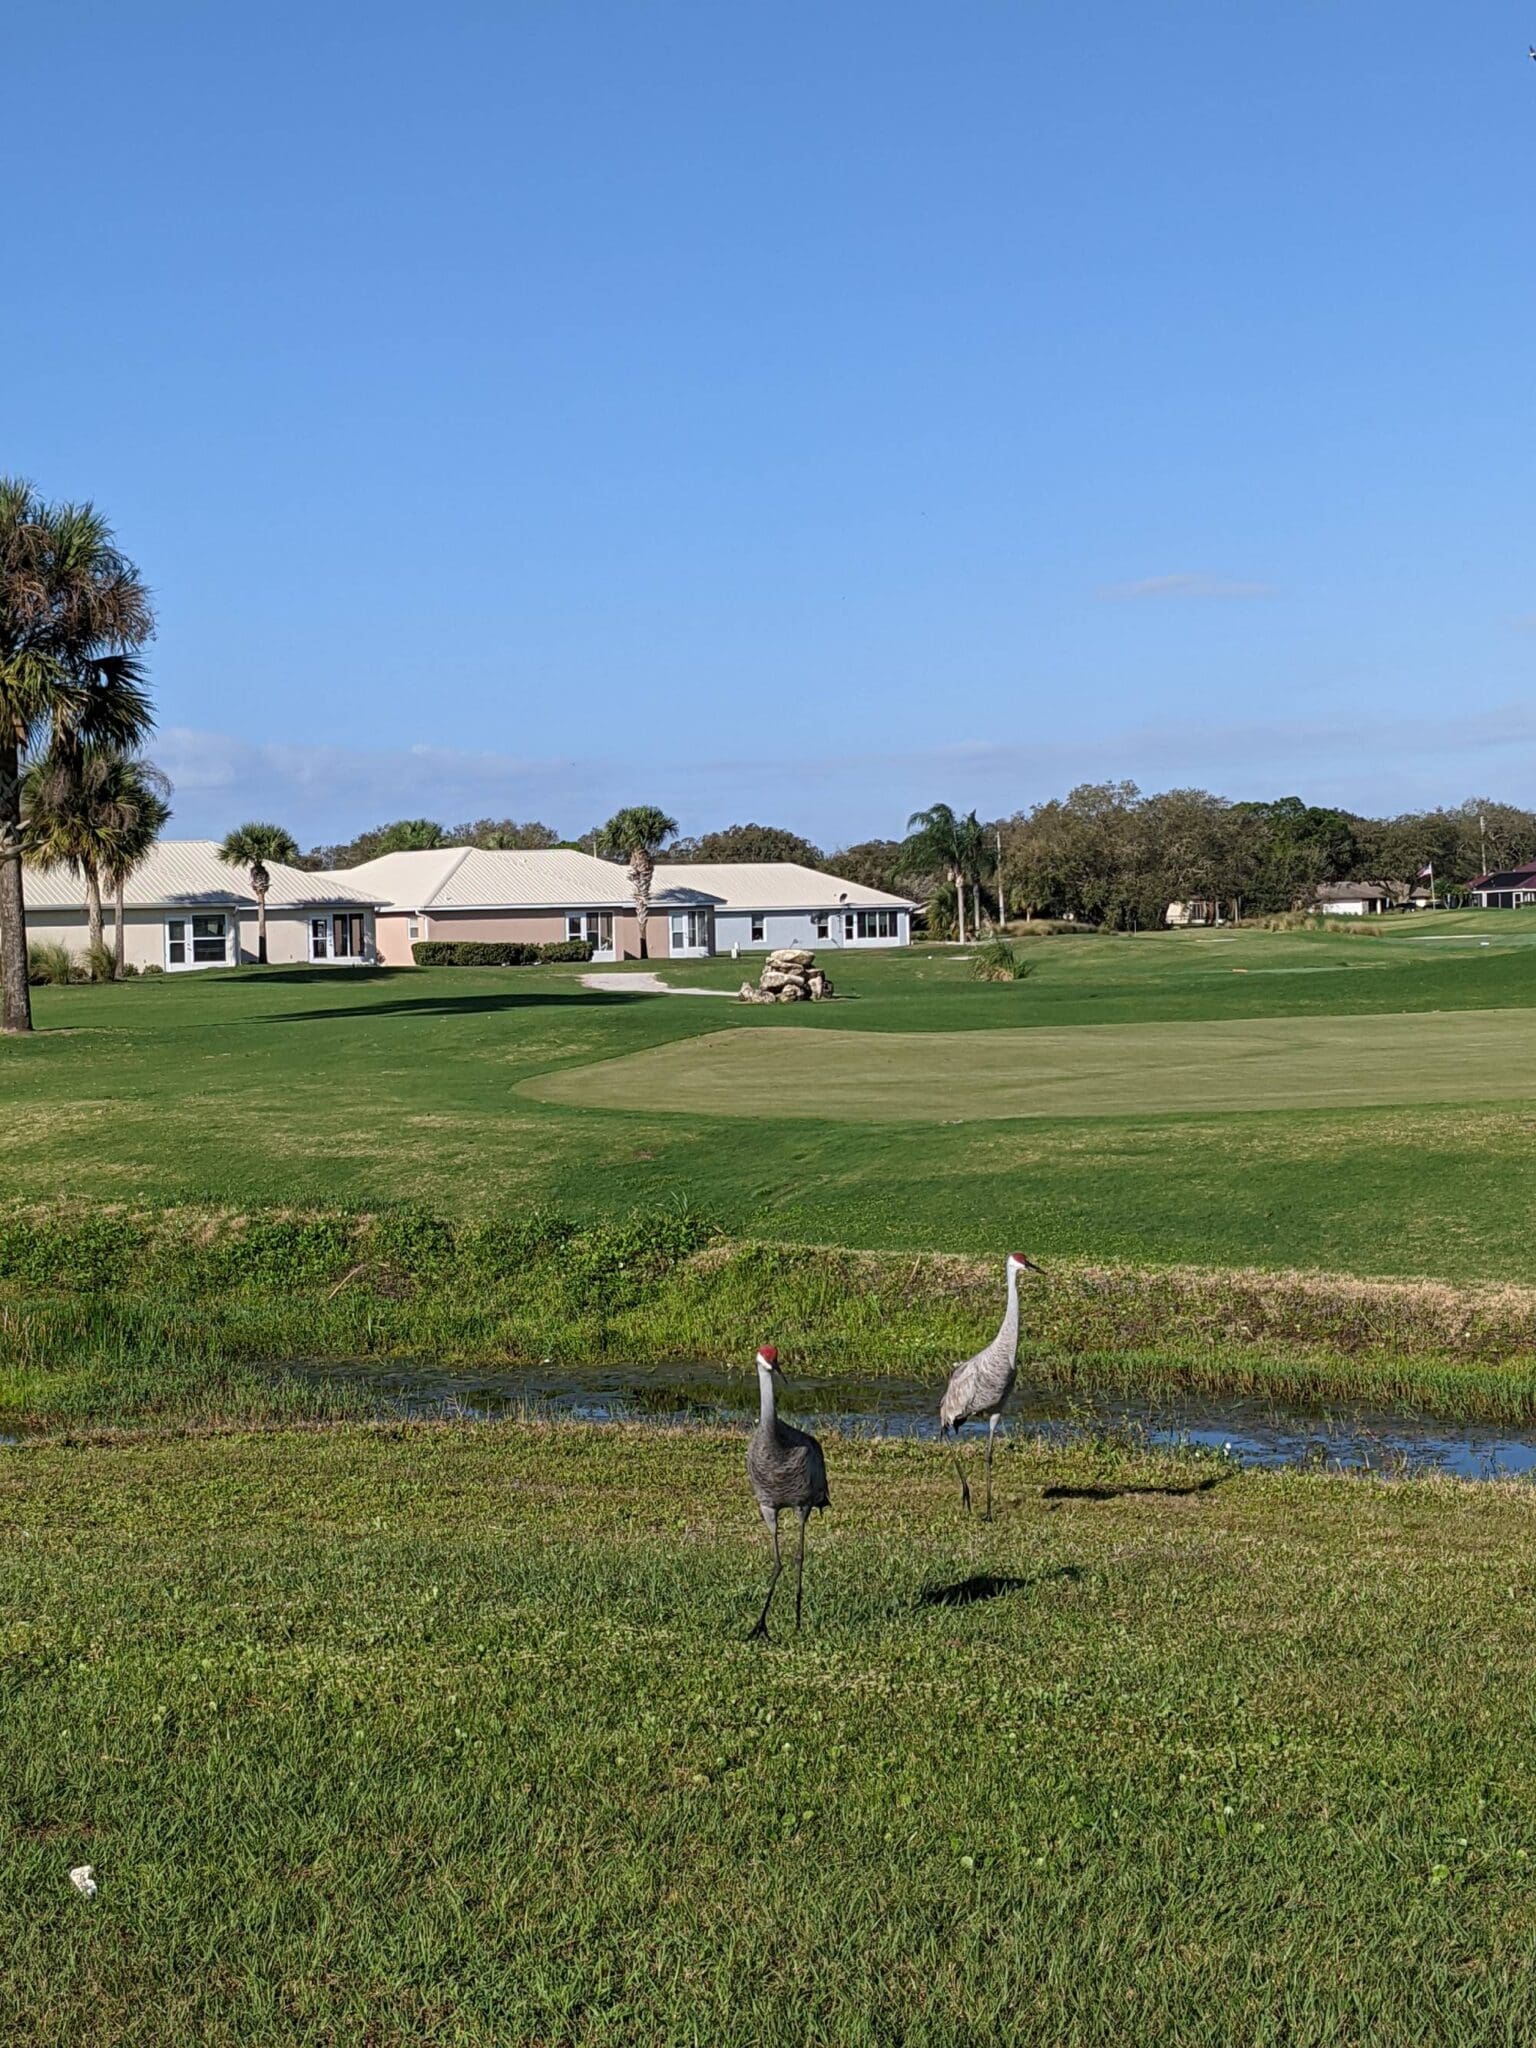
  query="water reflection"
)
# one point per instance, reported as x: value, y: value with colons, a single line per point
x: 1248, y: 1430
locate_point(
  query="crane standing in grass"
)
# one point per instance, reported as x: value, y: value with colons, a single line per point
x: 981, y: 1387
x: 787, y: 1470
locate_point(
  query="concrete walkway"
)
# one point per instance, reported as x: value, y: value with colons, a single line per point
x: 647, y: 984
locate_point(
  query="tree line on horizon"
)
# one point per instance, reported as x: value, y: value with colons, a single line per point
x: 1104, y: 854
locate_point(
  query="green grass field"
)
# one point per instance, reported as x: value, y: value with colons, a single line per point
x: 451, y: 1736
x: 1269, y: 1063
x: 304, y: 1087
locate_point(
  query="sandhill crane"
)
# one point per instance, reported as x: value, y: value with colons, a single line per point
x: 982, y: 1385
x: 787, y: 1470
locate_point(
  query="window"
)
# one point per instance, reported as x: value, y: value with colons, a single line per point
x: 208, y: 947
x: 759, y: 928
x: 848, y: 926
x: 878, y: 924
x: 319, y: 938
x: 197, y: 941
x: 347, y: 935
x: 690, y: 931
x: 823, y: 924
x: 593, y: 925
x: 413, y: 929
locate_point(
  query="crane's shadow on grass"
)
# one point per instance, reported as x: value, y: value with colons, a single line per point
x: 1206, y: 1485
x: 991, y: 1586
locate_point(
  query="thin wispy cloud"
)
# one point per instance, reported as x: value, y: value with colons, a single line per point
x: 1187, y: 583
x: 837, y: 795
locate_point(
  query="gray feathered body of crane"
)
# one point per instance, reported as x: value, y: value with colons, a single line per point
x: 979, y: 1389
x: 787, y: 1470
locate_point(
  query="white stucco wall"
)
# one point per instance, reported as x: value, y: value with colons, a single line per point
x: 798, y: 928
x: 145, y: 934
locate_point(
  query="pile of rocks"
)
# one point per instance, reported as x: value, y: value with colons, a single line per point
x: 788, y: 977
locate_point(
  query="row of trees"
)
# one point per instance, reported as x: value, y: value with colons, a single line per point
x: 1104, y: 854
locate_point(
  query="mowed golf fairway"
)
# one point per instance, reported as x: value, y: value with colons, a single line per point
x: 1095, y: 1070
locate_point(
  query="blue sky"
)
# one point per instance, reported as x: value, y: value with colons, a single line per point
x: 800, y: 412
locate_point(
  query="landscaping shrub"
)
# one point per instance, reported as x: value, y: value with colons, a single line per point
x: 473, y: 953
x: 496, y: 953
x: 154, y: 967
x: 998, y: 961
x: 101, y: 962
x: 50, y: 965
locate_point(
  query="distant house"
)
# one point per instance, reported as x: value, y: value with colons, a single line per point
x: 1354, y: 899
x: 755, y: 906
x: 1194, y: 910
x: 185, y: 908
x: 1506, y: 891
x: 539, y: 896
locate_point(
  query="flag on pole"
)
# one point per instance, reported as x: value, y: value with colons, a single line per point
x: 1426, y: 873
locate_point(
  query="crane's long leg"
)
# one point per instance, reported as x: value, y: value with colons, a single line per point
x: 991, y: 1438
x: 778, y: 1566
x: 805, y: 1516
x: 965, y: 1488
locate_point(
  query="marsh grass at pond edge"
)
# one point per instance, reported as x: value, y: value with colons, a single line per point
x: 110, y: 1313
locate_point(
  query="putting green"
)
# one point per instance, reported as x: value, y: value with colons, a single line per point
x: 1089, y: 1070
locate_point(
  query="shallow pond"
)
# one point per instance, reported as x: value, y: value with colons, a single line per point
x: 1251, y: 1431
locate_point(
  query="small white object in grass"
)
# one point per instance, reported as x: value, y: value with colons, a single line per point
x: 82, y: 1877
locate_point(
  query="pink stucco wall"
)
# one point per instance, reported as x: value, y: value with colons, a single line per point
x: 533, y: 927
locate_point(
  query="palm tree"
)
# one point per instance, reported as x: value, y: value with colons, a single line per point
x: 972, y: 843
x: 146, y: 792
x: 72, y: 610
x: 252, y: 846
x: 938, y: 840
x: 637, y: 835
x: 85, y: 808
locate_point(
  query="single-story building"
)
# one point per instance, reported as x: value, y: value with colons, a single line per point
x: 539, y: 897
x: 1354, y: 899
x: 185, y: 908
x: 1193, y: 910
x: 532, y: 897
x: 756, y: 906
x: 1506, y: 891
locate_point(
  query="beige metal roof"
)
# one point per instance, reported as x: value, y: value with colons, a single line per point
x: 772, y: 885
x: 560, y: 878
x: 180, y: 872
x: 472, y: 878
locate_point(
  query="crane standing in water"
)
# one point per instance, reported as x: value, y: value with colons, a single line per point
x: 787, y: 1470
x: 981, y: 1387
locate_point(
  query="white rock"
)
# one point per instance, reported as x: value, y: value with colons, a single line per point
x: 82, y: 1877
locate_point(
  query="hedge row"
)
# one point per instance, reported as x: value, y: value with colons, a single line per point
x: 483, y: 953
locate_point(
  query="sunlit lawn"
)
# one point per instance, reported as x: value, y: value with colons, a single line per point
x: 302, y: 1086
x: 452, y: 1736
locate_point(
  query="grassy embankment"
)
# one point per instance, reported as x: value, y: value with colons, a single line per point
x: 302, y: 1088
x: 144, y: 1317
x: 449, y: 1735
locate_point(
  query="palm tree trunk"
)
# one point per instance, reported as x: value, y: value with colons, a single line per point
x: 119, y: 945
x: 641, y: 869
x: 261, y: 927
x: 976, y: 906
x: 93, y: 920
x: 959, y: 880
x: 15, y: 996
